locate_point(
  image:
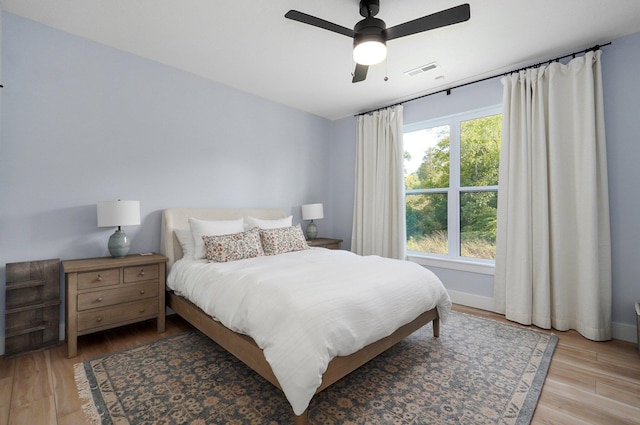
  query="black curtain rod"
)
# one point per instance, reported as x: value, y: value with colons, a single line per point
x: 448, y: 91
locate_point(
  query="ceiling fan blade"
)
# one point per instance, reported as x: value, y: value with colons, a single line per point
x: 360, y: 73
x: 440, y: 19
x: 320, y: 23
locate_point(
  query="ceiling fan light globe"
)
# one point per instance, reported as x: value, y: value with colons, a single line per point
x: 369, y: 52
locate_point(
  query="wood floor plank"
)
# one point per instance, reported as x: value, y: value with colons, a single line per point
x: 589, y: 407
x: 627, y: 356
x: 570, y: 375
x: 546, y: 415
x: 75, y: 418
x: 67, y: 400
x: 5, y: 399
x: 616, y: 389
x: 32, y: 375
x: 7, y: 368
x: 4, y: 415
x: 597, y: 368
x: 38, y: 412
x: 5, y: 391
x: 576, y: 352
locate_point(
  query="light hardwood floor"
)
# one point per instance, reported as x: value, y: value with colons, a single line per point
x: 588, y: 382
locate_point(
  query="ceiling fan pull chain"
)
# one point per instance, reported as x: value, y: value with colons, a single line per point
x: 386, y: 70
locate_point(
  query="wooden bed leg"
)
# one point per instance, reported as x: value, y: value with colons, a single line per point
x: 436, y: 327
x: 302, y: 419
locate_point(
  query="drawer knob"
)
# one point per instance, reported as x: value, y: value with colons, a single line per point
x: 142, y: 292
x: 99, y: 278
x: 99, y: 319
x: 99, y: 299
x: 142, y: 272
x: 142, y: 310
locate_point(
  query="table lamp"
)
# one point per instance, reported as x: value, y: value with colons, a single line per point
x: 117, y: 214
x: 312, y: 212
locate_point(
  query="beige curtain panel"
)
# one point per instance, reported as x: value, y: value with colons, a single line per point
x: 379, y: 212
x: 553, y: 262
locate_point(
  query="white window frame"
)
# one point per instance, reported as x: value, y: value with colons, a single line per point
x: 453, y: 260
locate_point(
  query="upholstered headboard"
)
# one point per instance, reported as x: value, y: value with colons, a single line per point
x: 178, y: 218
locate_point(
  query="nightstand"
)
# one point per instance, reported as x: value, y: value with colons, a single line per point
x: 107, y: 292
x: 328, y: 243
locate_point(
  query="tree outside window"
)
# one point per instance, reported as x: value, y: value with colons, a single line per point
x: 451, y: 184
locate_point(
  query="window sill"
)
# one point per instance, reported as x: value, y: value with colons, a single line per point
x: 461, y: 264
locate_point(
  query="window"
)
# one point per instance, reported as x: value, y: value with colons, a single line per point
x: 451, y: 185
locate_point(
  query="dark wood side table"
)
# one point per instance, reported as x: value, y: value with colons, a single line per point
x: 107, y: 292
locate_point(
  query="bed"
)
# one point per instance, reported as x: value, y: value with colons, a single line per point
x: 257, y: 333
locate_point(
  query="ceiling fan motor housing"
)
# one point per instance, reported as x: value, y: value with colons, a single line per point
x: 370, y: 29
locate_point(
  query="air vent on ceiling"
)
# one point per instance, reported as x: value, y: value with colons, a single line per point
x: 421, y: 69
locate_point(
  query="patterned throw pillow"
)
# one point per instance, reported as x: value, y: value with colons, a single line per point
x: 233, y: 247
x: 199, y: 228
x: 285, y: 239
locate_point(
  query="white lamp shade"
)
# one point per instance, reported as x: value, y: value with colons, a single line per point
x: 369, y: 52
x: 312, y: 212
x: 118, y: 213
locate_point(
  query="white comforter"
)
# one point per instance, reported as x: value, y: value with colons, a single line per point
x: 304, y: 308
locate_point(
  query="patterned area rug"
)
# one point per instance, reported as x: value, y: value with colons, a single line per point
x: 478, y: 372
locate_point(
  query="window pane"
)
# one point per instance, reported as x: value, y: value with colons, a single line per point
x: 480, y: 150
x: 427, y: 223
x: 478, y: 212
x: 426, y: 158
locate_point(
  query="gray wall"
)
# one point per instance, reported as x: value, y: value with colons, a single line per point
x: 621, y: 75
x: 83, y: 123
x: 621, y: 80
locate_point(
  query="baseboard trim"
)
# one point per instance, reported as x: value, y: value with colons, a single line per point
x: 621, y: 331
x: 471, y: 300
x: 624, y: 332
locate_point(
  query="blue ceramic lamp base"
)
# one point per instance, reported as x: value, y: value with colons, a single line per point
x: 119, y: 244
x: 312, y: 231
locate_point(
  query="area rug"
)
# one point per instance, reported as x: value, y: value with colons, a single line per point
x: 478, y: 371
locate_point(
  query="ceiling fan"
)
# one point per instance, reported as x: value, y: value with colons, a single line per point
x: 370, y: 35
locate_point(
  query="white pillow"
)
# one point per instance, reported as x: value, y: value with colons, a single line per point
x: 199, y: 228
x: 186, y: 242
x: 270, y: 224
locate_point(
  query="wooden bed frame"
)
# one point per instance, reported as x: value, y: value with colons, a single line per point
x: 244, y: 347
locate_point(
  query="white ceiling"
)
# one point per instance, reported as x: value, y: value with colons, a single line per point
x: 249, y: 45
